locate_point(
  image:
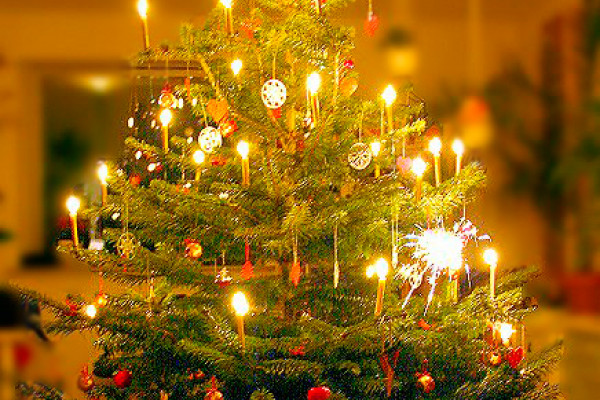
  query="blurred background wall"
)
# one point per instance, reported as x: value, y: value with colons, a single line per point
x: 65, y: 90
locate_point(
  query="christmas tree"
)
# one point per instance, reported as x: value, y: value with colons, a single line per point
x: 253, y: 196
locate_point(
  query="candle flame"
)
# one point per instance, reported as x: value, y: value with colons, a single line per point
x: 419, y: 167
x: 91, y: 311
x: 198, y: 157
x: 166, y: 116
x: 227, y: 3
x: 142, y: 7
x: 73, y: 205
x: 458, y: 147
x: 490, y: 256
x: 435, y: 146
x: 313, y: 82
x: 380, y: 268
x: 244, y: 149
x: 103, y: 173
x: 236, y: 66
x: 376, y: 148
x: 389, y: 95
x: 240, y: 304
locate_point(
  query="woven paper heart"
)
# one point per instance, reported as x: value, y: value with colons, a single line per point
x: 217, y: 109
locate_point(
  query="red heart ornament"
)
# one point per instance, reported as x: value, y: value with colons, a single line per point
x: 319, y: 393
x: 515, y: 356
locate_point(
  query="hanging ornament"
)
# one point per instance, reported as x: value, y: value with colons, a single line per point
x: 319, y: 393
x: 273, y: 94
x: 218, y: 161
x: 348, y: 86
x: 404, y: 164
x: 193, y: 249
x: 123, y: 379
x: 127, y: 245
x: 73, y: 307
x: 372, y: 22
x: 360, y: 156
x: 167, y: 98
x: 515, y: 356
x: 389, y: 371
x: 228, y: 128
x: 212, y: 393
x: 425, y: 380
x: 86, y: 381
x: 223, y: 279
x: 248, y: 268
x: 298, y: 351
x: 349, y: 64
x: 250, y: 26
x: 217, y: 109
x: 210, y: 139
x: 495, y: 358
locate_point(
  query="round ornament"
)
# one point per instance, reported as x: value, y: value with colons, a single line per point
x: 85, y: 381
x: 167, y: 100
x: 214, y: 395
x: 495, y: 358
x: 123, y: 379
x: 193, y: 249
x: 127, y: 245
x: 426, y: 383
x: 360, y: 156
x: 210, y: 139
x: 319, y: 393
x: 273, y: 94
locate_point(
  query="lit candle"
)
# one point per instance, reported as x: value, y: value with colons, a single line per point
x: 313, y: 84
x: 418, y: 168
x: 73, y: 205
x: 389, y: 96
x: 241, y: 307
x: 143, y: 12
x: 506, y: 331
x: 236, y: 66
x: 103, y: 175
x: 198, y: 158
x: 317, y: 6
x: 228, y: 16
x: 435, y: 147
x: 490, y: 256
x: 375, y: 149
x: 380, y: 268
x: 165, y: 119
x: 244, y: 149
x: 459, y: 149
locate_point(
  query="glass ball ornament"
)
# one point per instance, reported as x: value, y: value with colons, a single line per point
x: 360, y: 156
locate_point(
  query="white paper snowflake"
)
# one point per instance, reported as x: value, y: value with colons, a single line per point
x: 210, y: 139
x: 274, y: 94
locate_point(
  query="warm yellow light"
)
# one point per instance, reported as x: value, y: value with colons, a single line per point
x: 389, y: 95
x: 130, y: 122
x: 103, y: 173
x: 151, y: 167
x: 380, y: 268
x: 73, y: 205
x: 240, y: 304
x: 227, y: 3
x: 435, y: 146
x: 166, y: 116
x: 375, y: 148
x: 198, y: 157
x: 142, y: 7
x: 236, y: 66
x: 313, y: 82
x: 490, y: 256
x: 458, y: 147
x: 506, y: 331
x: 243, y: 148
x: 419, y: 167
x: 91, y: 311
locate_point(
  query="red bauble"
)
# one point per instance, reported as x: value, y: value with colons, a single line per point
x: 426, y: 382
x: 275, y: 112
x: 193, y: 248
x: 349, y: 64
x: 515, y: 356
x: 123, y: 379
x: 227, y: 128
x: 135, y: 180
x: 319, y: 393
x: 23, y: 354
x: 85, y: 381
